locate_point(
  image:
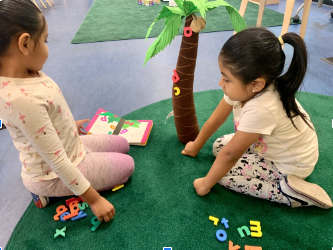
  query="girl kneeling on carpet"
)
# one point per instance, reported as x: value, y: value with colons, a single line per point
x: 56, y: 160
x: 274, y: 146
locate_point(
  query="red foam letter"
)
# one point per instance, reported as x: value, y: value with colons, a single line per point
x: 187, y: 31
x: 175, y: 77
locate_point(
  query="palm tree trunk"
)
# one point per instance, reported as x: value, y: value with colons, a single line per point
x: 183, y: 105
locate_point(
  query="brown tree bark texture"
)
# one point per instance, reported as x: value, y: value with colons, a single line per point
x: 183, y: 105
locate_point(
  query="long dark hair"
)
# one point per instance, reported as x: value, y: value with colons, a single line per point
x: 16, y: 18
x: 257, y: 53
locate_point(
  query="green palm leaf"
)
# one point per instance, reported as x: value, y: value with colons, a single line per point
x: 189, y: 7
x: 180, y: 4
x: 236, y: 19
x: 166, y: 12
x: 171, y: 28
x: 201, y: 5
x: 176, y: 10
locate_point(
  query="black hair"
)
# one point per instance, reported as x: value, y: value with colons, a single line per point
x: 257, y: 53
x: 18, y: 17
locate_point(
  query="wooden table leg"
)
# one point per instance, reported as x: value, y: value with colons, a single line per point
x: 305, y: 16
x: 34, y: 1
x: 48, y: 3
x: 261, y: 12
x: 42, y: 3
x: 242, y: 9
x: 320, y: 3
x: 287, y: 16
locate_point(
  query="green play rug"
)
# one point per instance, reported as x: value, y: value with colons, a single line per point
x: 158, y: 207
x: 118, y: 20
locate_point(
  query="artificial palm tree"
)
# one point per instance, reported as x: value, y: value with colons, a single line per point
x: 182, y: 95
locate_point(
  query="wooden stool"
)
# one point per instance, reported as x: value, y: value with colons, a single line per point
x: 287, y: 14
x: 260, y: 13
x: 43, y: 3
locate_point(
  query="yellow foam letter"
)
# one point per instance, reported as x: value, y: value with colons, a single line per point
x: 257, y: 229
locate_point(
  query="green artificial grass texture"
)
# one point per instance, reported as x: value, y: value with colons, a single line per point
x: 158, y: 207
x: 119, y: 20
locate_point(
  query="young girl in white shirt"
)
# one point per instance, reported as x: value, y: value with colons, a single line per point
x: 56, y: 160
x: 274, y: 146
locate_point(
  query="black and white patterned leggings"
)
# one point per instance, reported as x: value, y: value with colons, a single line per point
x: 252, y: 174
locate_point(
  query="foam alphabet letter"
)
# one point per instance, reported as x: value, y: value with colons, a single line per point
x: 63, y: 215
x: 96, y: 222
x: 60, y: 232
x: 83, y: 206
x: 70, y: 200
x: 255, y: 231
x: 74, y: 207
x: 212, y: 218
x: 175, y: 77
x: 78, y: 199
x: 177, y: 91
x: 225, y: 223
x: 246, y: 229
x: 232, y: 247
x: 221, y: 235
x: 252, y: 248
x: 81, y: 215
x: 60, y: 210
x: 187, y: 31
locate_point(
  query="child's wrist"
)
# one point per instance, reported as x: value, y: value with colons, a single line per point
x: 196, y: 146
x: 207, y: 186
x: 90, y: 196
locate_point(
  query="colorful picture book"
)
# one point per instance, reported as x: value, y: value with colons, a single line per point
x: 136, y: 132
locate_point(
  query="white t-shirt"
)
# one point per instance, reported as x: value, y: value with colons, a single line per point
x: 292, y: 152
x: 43, y: 129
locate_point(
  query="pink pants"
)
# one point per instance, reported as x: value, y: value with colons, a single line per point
x: 106, y: 165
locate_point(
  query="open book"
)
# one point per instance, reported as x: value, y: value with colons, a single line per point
x: 136, y: 132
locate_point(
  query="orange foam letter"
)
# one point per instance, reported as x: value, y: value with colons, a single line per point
x: 232, y: 247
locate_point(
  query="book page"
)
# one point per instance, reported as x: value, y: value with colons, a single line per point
x: 101, y: 126
x: 134, y: 135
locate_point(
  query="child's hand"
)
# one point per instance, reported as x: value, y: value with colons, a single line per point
x: 79, y: 126
x: 103, y: 209
x: 190, y: 149
x: 200, y: 187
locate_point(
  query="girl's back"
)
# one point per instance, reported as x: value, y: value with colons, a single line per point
x: 39, y: 104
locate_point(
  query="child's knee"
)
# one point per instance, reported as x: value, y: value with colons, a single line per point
x: 130, y: 164
x: 121, y: 142
x: 125, y: 144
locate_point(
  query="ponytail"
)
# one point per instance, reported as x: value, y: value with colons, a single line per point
x: 288, y: 84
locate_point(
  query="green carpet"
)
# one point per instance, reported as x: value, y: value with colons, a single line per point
x: 118, y: 20
x: 158, y: 207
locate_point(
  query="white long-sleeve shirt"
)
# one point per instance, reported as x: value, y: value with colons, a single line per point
x: 43, y: 129
x: 292, y: 151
